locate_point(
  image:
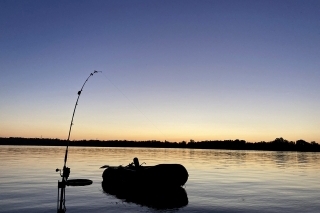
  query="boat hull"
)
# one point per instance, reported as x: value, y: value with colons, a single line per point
x: 162, y: 175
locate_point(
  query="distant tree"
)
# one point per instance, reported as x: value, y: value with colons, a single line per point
x: 280, y: 140
x: 301, y: 142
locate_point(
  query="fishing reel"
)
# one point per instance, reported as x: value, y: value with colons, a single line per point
x: 65, y: 173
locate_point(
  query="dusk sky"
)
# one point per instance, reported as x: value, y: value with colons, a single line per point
x: 171, y: 70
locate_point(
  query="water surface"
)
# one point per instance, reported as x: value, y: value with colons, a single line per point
x: 219, y: 180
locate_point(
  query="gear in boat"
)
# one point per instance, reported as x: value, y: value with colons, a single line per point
x: 136, y: 175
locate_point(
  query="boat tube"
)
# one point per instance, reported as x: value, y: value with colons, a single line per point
x: 134, y: 174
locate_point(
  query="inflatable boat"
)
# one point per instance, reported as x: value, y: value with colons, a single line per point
x: 136, y: 175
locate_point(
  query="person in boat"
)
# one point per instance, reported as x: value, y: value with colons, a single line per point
x: 136, y: 163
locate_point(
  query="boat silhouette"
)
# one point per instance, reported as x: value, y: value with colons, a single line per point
x: 158, y: 186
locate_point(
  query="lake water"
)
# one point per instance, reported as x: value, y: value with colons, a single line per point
x: 221, y: 181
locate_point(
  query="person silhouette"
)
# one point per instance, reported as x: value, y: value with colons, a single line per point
x: 136, y: 162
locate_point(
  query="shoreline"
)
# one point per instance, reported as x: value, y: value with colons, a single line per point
x: 279, y: 144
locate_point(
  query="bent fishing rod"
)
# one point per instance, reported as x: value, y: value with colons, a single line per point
x: 74, y: 110
x: 61, y: 208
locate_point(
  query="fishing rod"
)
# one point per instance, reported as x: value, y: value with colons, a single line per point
x: 74, y: 110
x: 61, y: 208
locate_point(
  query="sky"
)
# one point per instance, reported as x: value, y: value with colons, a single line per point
x: 172, y: 70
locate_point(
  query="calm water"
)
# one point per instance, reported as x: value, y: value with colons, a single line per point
x: 219, y: 180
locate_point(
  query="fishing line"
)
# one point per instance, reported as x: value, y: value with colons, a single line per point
x: 134, y: 105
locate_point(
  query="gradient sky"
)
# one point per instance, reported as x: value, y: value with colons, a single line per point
x: 172, y: 70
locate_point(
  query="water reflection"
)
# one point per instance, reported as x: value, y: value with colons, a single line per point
x: 229, y: 158
x: 153, y: 197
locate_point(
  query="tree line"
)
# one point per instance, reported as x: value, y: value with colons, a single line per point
x: 279, y: 144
